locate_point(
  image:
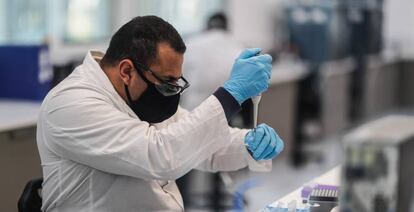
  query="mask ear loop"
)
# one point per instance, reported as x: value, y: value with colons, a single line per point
x: 128, y: 94
x: 141, y: 74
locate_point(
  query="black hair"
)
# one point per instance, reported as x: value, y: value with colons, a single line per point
x: 217, y: 21
x: 138, y: 40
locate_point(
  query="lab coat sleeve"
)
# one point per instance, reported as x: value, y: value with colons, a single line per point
x: 234, y: 156
x: 92, y: 131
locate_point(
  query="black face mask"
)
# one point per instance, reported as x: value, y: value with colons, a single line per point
x: 152, y: 106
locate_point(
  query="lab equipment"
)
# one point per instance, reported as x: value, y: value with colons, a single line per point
x: 308, y: 26
x: 250, y: 75
x: 324, y: 193
x: 315, y: 198
x: 292, y: 206
x: 320, y: 197
x: 378, y: 174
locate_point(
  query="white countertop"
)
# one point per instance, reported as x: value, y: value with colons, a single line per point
x: 287, y: 71
x: 331, y: 177
x: 17, y: 114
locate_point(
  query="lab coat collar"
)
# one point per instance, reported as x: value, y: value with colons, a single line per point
x: 91, y: 63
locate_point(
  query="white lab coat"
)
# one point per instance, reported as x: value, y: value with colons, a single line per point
x: 207, y: 64
x: 98, y: 156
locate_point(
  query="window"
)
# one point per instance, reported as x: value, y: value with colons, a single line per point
x: 72, y: 21
x: 92, y: 21
x: 86, y: 21
x: 22, y: 21
x: 187, y: 16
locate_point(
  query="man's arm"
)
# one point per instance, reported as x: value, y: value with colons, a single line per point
x: 233, y: 157
x: 85, y: 127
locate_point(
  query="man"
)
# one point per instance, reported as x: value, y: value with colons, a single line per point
x: 111, y: 136
x: 214, y: 44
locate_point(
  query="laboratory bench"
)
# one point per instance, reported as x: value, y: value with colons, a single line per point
x: 407, y: 78
x: 334, y: 86
x: 382, y: 84
x: 332, y: 177
x: 19, y: 158
x: 18, y: 114
x: 377, y: 163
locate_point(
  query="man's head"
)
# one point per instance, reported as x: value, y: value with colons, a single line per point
x: 144, y: 64
x: 148, y: 41
x: 217, y: 21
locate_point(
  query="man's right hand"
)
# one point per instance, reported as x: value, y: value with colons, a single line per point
x: 250, y: 75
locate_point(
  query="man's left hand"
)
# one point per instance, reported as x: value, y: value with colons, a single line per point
x: 263, y: 143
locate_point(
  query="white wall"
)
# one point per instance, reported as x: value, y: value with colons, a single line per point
x: 125, y: 10
x: 3, y: 21
x: 61, y: 52
x: 253, y: 22
x: 122, y: 12
x: 399, y: 26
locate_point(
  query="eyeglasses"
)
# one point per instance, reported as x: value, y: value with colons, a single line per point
x: 165, y: 87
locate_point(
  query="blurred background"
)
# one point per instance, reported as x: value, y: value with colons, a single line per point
x: 338, y: 65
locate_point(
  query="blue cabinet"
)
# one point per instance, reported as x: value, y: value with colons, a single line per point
x: 25, y: 72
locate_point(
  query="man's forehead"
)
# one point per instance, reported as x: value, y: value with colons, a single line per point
x: 165, y: 51
x: 168, y: 62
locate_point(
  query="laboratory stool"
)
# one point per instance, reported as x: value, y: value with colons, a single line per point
x: 31, y: 200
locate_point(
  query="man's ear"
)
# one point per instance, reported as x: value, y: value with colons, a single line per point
x: 126, y: 68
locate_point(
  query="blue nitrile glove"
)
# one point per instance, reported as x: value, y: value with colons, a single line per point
x: 263, y: 143
x: 250, y: 75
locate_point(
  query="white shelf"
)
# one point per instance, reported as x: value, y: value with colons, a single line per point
x: 16, y: 114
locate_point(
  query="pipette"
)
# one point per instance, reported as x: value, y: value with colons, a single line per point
x: 256, y: 101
